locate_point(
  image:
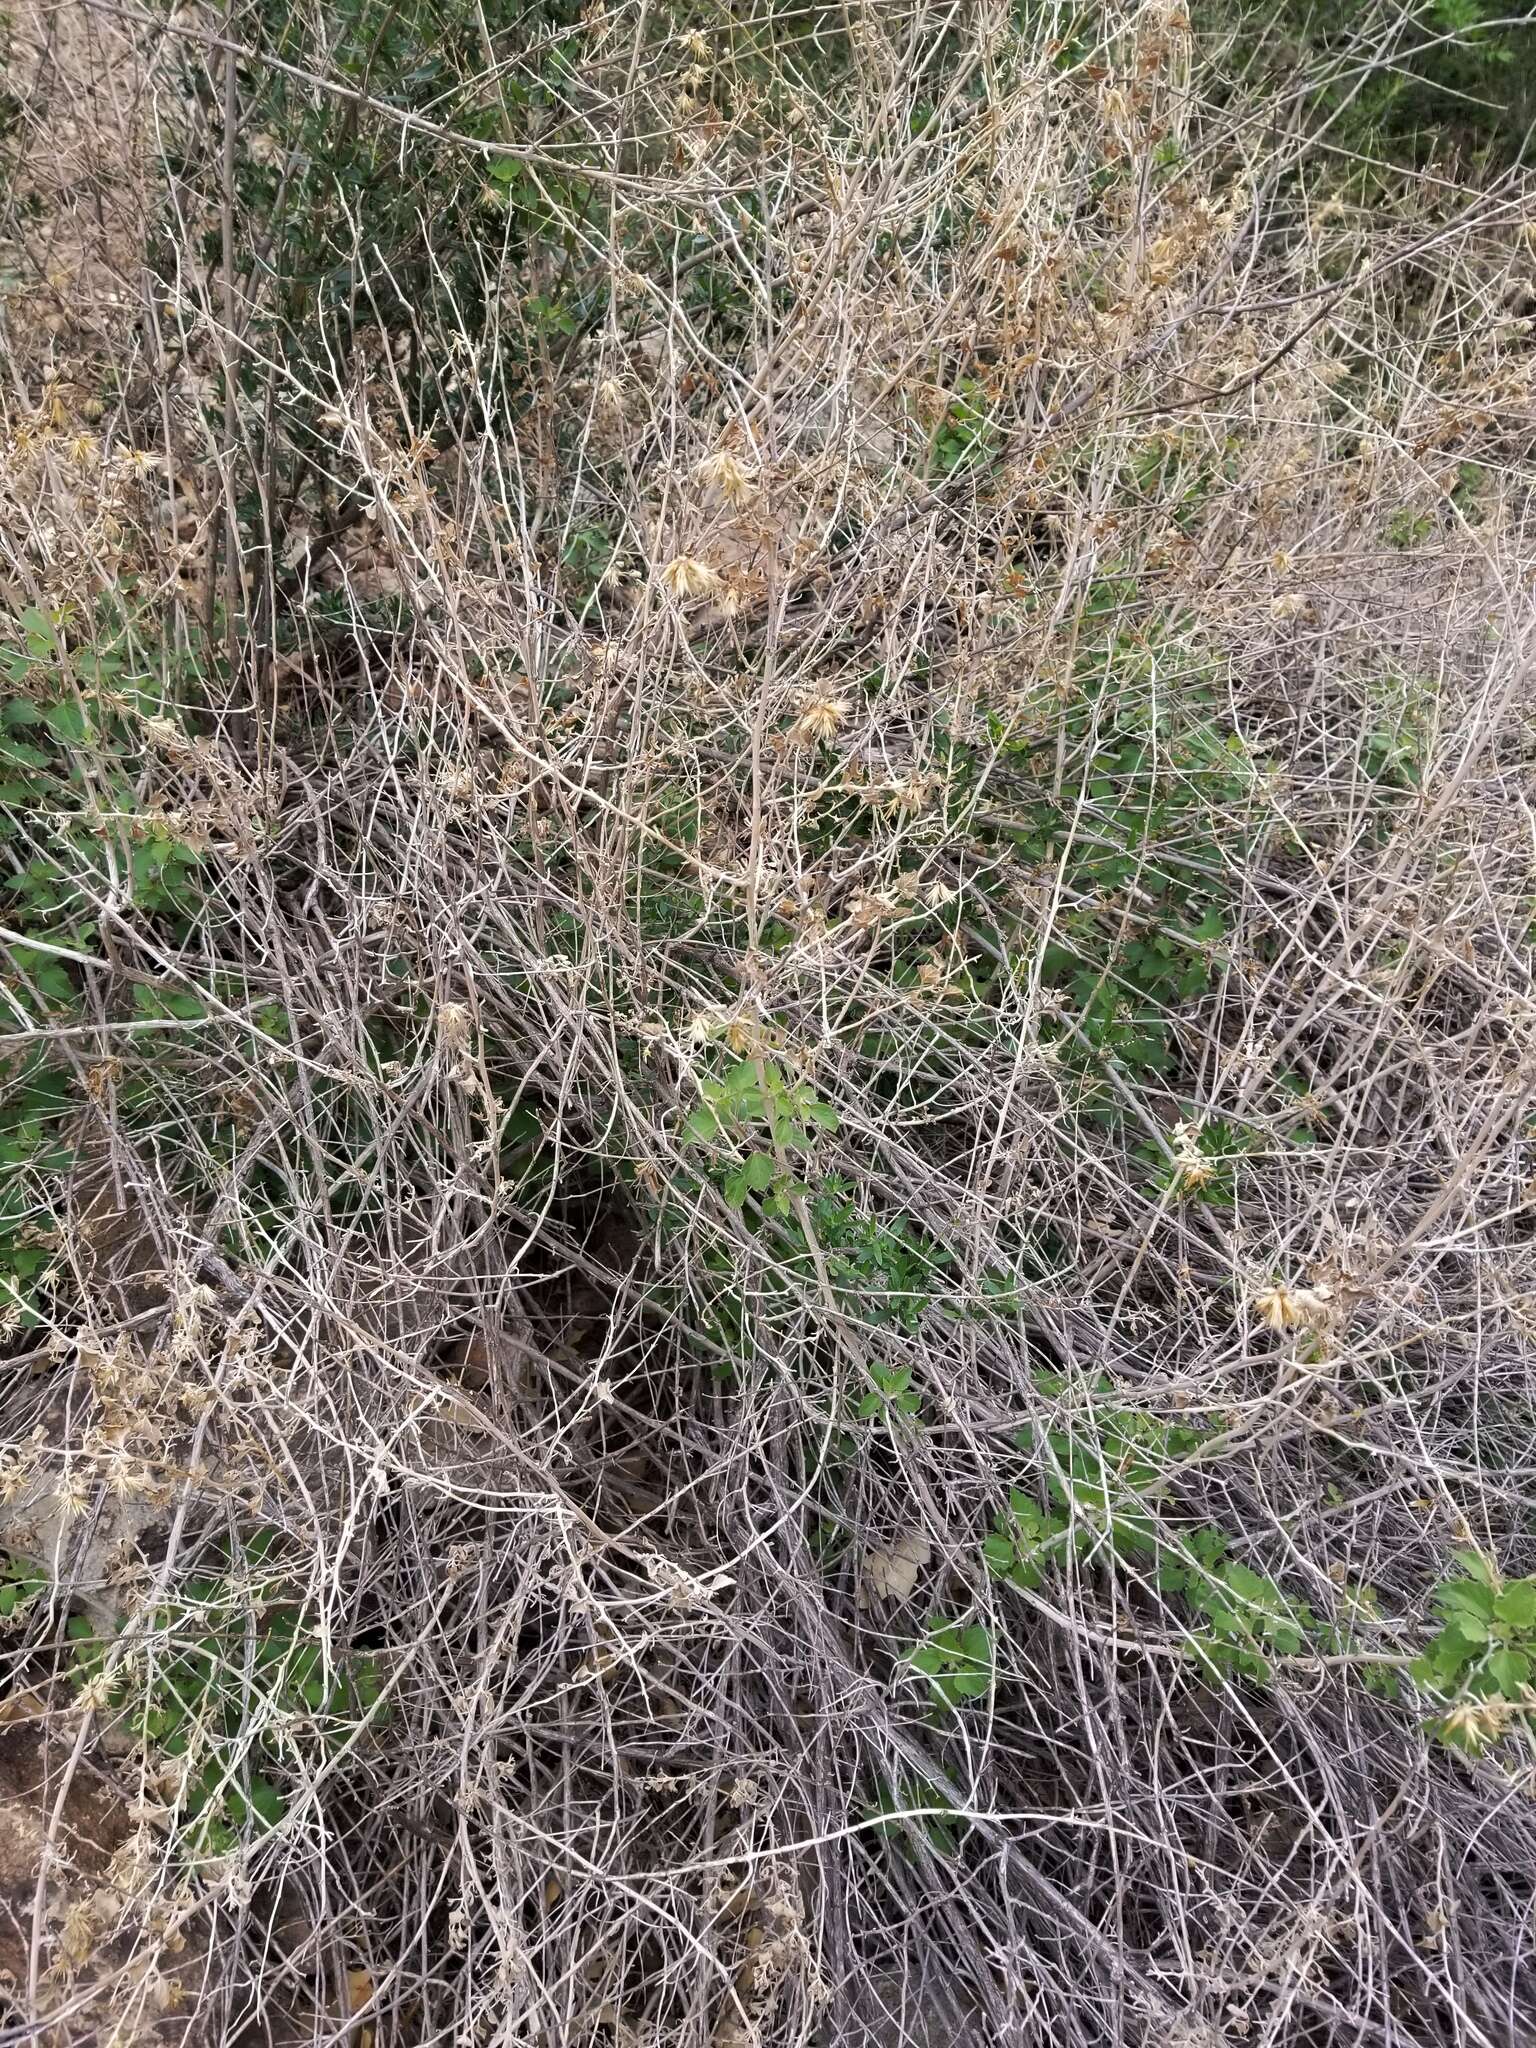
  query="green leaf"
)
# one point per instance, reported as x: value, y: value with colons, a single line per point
x: 1466, y: 1598
x: 1515, y: 1603
x: 20, y: 755
x: 66, y: 721
x: 367, y: 1684
x: 1510, y: 1671
x: 761, y: 1171
x: 39, y: 631
x: 1247, y: 1585
x: 267, y: 1802
x: 157, y: 1002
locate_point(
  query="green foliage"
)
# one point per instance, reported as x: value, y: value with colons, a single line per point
x: 892, y: 1394
x: 1107, y: 1474
x: 1410, y: 528
x: 85, y: 702
x: 1393, y: 753
x: 233, y: 1680
x: 75, y: 825
x: 1129, y: 800
x: 1109, y: 1481
x: 1203, y: 1162
x: 585, y: 555
x: 1245, y: 1618
x: 758, y: 1098
x: 435, y: 243
x: 966, y: 436
x: 1028, y: 1540
x: 1467, y: 492
x: 1442, y: 76
x: 887, y: 1272
x: 1481, y: 1662
x: 35, y: 1109
x: 10, y: 105
x: 924, y: 1814
x: 1407, y: 529
x: 956, y: 1659
x: 20, y: 1585
x: 1178, y: 479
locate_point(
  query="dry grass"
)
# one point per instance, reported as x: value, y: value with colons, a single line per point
x: 1060, y: 403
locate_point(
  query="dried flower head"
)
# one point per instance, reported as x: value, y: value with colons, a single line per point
x: 818, y: 719
x: 95, y: 1696
x: 722, y: 470
x: 1276, y: 1307
x: 705, y: 1025
x: 748, y: 1034
x: 685, y: 576
x: 1473, y: 1724
x: 1281, y: 1308
x: 869, y: 908
x: 933, y: 978
x: 912, y: 793
x: 453, y: 1025
x: 99, y: 1079
x: 1193, y: 1166
x: 611, y: 396
x: 72, y: 1492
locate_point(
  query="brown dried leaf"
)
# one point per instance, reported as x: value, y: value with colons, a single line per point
x: 892, y: 1574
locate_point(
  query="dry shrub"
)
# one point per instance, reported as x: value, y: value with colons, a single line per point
x: 844, y: 701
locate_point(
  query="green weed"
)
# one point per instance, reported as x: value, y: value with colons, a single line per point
x: 956, y: 1659
x: 230, y: 1680
x: 80, y: 714
x: 1481, y: 1663
x: 753, y: 1100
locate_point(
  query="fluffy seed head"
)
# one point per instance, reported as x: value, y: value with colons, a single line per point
x: 735, y: 483
x: 819, y: 719
x: 685, y: 576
